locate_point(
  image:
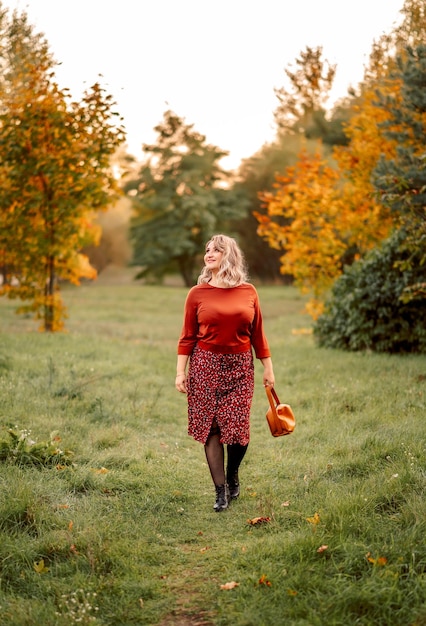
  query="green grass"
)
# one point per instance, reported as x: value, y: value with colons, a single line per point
x: 132, y: 520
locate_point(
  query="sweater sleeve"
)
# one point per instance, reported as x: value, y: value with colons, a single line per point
x: 258, y: 337
x: 189, y: 333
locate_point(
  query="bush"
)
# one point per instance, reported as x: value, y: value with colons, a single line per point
x: 367, y: 309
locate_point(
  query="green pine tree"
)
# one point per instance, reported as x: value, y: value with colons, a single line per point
x: 401, y: 182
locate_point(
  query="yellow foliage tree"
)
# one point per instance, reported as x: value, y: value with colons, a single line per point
x: 325, y: 216
x: 56, y: 172
x: 308, y: 205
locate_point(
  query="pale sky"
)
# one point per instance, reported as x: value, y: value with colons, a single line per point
x: 213, y: 62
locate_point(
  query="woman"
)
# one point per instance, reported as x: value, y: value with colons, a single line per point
x: 222, y: 323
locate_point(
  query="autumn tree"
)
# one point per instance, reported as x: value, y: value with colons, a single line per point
x: 55, y: 166
x: 378, y: 98
x: 379, y: 302
x: 302, y: 104
x: 409, y: 33
x: 302, y: 213
x: 381, y: 106
x: 300, y: 119
x: 361, y: 220
x: 322, y: 212
x: 330, y: 213
x: 180, y: 200
x: 257, y: 173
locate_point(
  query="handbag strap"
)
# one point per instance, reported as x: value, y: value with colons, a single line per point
x: 272, y: 395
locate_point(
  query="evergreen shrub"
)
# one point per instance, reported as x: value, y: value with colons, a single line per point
x: 367, y: 310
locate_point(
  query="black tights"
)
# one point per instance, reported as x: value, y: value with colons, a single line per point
x: 216, y: 457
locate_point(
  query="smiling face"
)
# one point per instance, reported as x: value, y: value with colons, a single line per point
x: 213, y: 258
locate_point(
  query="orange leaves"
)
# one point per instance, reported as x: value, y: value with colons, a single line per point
x: 256, y: 521
x: 379, y: 561
x: 323, y: 217
x: 56, y: 171
x: 83, y: 269
x: 263, y: 580
x: 101, y: 470
x: 291, y: 592
x: 366, y: 222
x: 308, y: 199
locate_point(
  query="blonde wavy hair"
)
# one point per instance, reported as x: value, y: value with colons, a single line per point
x: 233, y: 269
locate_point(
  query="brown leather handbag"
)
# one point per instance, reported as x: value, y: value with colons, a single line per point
x: 280, y: 417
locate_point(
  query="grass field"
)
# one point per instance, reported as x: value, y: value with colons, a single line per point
x: 122, y: 531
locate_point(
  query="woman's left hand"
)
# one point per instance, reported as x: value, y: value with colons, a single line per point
x: 268, y: 381
x: 268, y: 372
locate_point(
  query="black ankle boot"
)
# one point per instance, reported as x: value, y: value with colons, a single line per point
x: 234, y: 486
x: 221, y: 498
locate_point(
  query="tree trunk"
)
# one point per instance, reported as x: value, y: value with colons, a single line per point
x: 49, y: 309
x: 186, y: 267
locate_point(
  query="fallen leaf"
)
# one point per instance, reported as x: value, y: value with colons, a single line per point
x: 102, y: 470
x: 258, y: 520
x: 230, y: 585
x: 322, y: 548
x: 263, y: 580
x: 205, y: 549
x: 286, y: 503
x: 314, y: 520
x: 73, y: 549
x: 291, y: 592
x: 70, y: 525
x: 380, y: 561
x: 40, y: 567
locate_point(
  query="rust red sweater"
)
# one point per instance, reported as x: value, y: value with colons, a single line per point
x: 226, y: 321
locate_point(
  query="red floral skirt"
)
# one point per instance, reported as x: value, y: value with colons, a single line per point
x: 220, y: 387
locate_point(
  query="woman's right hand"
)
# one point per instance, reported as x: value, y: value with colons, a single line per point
x: 180, y: 382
